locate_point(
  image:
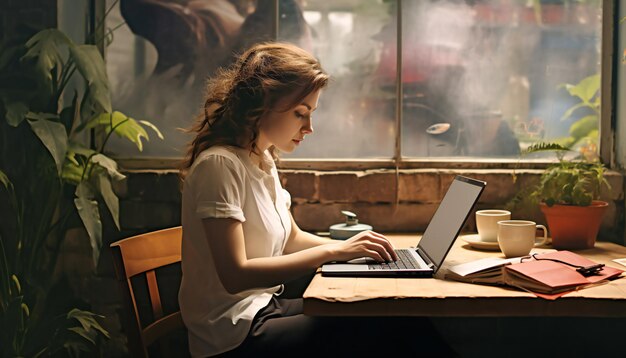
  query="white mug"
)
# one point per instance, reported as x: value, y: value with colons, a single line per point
x: 487, y: 223
x: 517, y: 237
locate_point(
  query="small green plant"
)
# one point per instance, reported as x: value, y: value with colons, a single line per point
x: 568, y: 182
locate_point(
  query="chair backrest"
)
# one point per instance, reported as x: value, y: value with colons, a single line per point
x: 139, y: 255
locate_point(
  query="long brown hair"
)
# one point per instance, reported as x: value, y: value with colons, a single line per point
x: 240, y: 95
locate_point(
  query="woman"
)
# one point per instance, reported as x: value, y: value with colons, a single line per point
x: 240, y: 243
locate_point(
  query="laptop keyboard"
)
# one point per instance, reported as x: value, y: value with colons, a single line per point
x: 405, y: 261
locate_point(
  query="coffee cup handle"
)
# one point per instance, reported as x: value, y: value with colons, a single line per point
x: 545, y: 236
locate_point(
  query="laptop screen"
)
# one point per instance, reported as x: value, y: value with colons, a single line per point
x: 449, y: 218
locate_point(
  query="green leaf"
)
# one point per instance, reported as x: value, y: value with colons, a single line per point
x: 122, y: 125
x: 589, y: 87
x: 16, y: 112
x: 110, y: 199
x: 90, y: 216
x: 68, y: 114
x: 76, y: 148
x: 16, y: 283
x: 586, y: 89
x: 4, y: 179
x: 72, y: 172
x: 109, y: 164
x: 543, y: 146
x: 52, y: 135
x: 154, y: 128
x: 45, y: 47
x: 571, y: 110
x: 87, y: 320
x: 91, y: 66
x: 583, y: 127
x: 73, y: 168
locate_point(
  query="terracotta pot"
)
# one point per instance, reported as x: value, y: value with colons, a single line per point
x: 574, y: 227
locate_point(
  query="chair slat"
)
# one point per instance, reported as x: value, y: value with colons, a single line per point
x: 155, y: 297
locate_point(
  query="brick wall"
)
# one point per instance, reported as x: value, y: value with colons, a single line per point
x: 407, y: 201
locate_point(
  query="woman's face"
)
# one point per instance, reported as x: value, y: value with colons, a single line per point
x: 286, y: 129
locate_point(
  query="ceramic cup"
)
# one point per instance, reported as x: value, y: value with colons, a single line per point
x: 487, y: 223
x: 517, y: 237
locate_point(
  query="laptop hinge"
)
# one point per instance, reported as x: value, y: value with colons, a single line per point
x: 426, y: 259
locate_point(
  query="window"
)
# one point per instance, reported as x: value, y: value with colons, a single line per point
x: 478, y: 80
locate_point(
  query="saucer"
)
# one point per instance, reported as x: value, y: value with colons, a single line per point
x: 475, y: 242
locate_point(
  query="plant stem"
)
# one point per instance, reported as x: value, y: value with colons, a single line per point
x: 110, y: 31
x: 113, y: 128
x: 70, y: 67
x: 101, y: 23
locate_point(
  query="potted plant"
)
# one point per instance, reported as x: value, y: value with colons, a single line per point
x: 54, y: 95
x: 568, y: 194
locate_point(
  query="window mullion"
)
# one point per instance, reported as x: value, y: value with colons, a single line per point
x: 398, y: 145
x: 606, y: 135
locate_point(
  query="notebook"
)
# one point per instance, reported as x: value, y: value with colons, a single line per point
x: 548, y: 275
x: 425, y: 259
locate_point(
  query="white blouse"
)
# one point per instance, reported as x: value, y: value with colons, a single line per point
x: 224, y: 182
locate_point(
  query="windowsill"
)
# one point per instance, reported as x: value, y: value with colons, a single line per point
x: 338, y: 164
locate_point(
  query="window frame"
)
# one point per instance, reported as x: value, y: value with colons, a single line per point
x: 606, y: 126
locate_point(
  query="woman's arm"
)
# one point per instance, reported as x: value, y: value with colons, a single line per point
x: 238, y: 273
x: 301, y: 240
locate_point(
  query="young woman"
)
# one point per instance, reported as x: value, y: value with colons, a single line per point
x: 240, y: 243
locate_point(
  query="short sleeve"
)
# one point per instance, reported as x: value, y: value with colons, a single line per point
x: 287, y: 197
x: 217, y: 187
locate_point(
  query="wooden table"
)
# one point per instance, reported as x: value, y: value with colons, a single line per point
x: 436, y: 297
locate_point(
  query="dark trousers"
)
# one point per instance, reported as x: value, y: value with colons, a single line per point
x: 281, y: 329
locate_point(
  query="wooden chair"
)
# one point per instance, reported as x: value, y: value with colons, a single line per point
x: 139, y: 255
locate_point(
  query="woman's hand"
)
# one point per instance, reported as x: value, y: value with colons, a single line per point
x: 364, y: 244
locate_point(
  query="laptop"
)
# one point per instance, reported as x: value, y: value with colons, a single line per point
x: 425, y: 259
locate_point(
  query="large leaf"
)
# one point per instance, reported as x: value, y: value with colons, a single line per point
x: 88, y: 330
x: 76, y: 148
x: 45, y: 47
x: 109, y: 164
x: 67, y: 115
x: 586, y: 88
x: 52, y: 135
x: 110, y: 199
x: 87, y: 320
x: 91, y: 66
x: 16, y: 112
x: 90, y: 216
x: 122, y: 125
x: 589, y: 87
x: 583, y: 126
x: 571, y: 110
